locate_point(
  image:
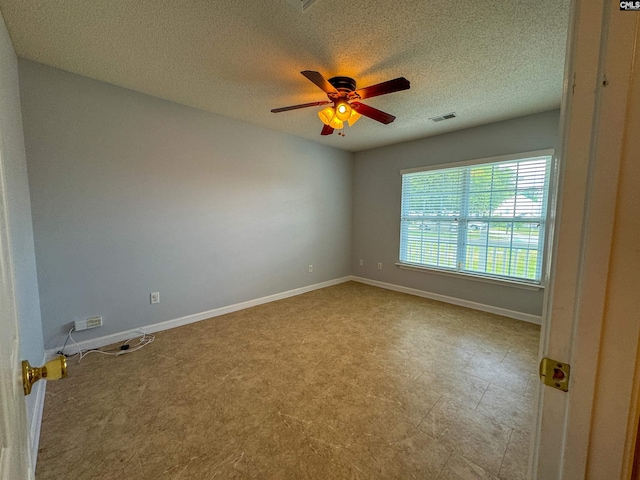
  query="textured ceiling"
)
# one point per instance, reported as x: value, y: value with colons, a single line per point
x: 486, y: 60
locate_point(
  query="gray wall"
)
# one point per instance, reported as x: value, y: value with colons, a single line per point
x: 132, y: 194
x: 14, y: 166
x: 376, y: 204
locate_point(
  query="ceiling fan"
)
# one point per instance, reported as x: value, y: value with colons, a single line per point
x: 341, y: 91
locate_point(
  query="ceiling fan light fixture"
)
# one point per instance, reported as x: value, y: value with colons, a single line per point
x: 335, y: 123
x: 342, y: 93
x: 326, y: 115
x: 353, y: 118
x: 343, y: 111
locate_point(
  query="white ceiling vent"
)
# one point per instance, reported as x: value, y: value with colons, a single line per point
x: 301, y: 5
x: 446, y: 116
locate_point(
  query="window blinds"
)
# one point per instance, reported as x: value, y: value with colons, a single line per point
x: 485, y: 218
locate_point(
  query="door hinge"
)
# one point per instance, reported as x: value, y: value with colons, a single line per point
x: 555, y: 374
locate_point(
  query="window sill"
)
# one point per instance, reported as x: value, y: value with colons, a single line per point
x: 468, y: 276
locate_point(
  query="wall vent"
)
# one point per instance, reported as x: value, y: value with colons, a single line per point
x: 446, y: 116
x: 301, y: 5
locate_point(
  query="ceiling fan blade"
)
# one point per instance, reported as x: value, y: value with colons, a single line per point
x: 295, y: 107
x: 373, y: 113
x: 326, y: 130
x: 320, y: 81
x: 390, y: 86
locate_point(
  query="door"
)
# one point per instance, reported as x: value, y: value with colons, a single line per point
x: 14, y: 453
x: 590, y: 322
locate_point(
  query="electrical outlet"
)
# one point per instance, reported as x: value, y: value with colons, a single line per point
x: 310, y: 268
x: 379, y: 265
x: 155, y: 297
x: 86, y: 323
x: 361, y: 262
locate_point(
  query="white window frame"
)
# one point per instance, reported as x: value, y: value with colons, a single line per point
x: 488, y: 277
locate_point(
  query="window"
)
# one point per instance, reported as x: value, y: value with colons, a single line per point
x: 486, y: 217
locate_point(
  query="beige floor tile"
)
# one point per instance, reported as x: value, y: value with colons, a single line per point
x: 516, y: 460
x: 454, y: 384
x: 523, y: 358
x: 507, y: 408
x: 437, y: 353
x: 350, y: 382
x: 459, y: 468
x: 415, y: 402
x: 533, y: 386
x: 470, y: 434
x: 472, y: 341
x: 399, y: 450
x: 498, y: 373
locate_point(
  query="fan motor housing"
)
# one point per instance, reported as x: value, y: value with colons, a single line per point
x: 347, y: 84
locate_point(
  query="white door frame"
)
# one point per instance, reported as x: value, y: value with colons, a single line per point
x: 573, y: 428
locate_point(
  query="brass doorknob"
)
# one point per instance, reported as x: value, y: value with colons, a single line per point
x: 52, y: 370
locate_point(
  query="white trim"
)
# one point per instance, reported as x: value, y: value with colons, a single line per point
x: 477, y: 161
x: 525, y: 317
x: 196, y: 317
x: 471, y: 276
x: 589, y: 317
x: 35, y: 421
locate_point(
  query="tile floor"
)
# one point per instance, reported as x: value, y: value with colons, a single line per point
x: 348, y: 382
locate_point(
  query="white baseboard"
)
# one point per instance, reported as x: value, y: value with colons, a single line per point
x: 34, y: 422
x: 525, y: 317
x: 196, y: 317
